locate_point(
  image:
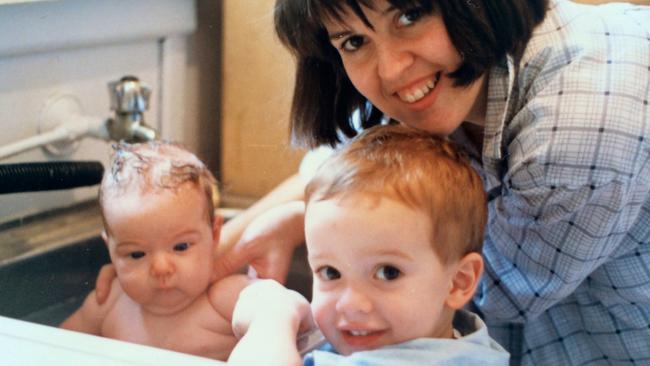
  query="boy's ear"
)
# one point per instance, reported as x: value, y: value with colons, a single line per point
x: 217, y: 223
x: 465, y: 280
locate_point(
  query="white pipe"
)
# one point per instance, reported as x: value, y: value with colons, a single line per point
x: 78, y: 127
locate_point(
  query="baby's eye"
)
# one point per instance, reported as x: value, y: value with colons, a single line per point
x: 181, y: 247
x: 388, y: 273
x: 328, y: 273
x: 352, y: 43
x: 136, y: 255
x: 409, y: 17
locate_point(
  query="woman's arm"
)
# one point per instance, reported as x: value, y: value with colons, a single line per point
x: 264, y: 235
x: 290, y: 189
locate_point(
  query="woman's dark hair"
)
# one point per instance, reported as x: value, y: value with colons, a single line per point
x: 324, y: 99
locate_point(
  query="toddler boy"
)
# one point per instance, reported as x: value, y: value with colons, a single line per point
x: 394, y: 226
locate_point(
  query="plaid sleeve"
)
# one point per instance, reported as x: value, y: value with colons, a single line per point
x: 574, y: 174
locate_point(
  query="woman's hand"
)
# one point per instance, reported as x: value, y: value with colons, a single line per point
x: 103, y: 283
x: 267, y: 244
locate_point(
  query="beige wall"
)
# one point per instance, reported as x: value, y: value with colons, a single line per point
x: 257, y: 80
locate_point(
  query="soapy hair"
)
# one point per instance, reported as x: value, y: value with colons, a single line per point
x: 154, y: 166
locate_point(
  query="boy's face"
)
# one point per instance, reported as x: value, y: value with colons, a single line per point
x: 377, y: 280
x: 161, y: 244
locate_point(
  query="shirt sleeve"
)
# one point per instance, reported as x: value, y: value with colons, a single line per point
x: 544, y: 242
x: 574, y: 176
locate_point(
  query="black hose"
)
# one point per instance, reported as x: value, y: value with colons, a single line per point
x: 33, y: 177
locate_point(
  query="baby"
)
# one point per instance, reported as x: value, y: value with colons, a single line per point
x: 161, y: 232
x: 394, y: 226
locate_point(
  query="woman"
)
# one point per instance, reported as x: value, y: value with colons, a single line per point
x: 551, y: 100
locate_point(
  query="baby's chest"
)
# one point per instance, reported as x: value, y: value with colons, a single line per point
x: 203, y: 333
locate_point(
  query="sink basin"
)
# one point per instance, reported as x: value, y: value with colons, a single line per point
x: 46, y: 287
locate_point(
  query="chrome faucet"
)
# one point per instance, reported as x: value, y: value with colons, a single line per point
x: 129, y: 100
x: 62, y: 122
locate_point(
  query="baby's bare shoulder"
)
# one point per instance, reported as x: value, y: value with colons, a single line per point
x: 223, y: 294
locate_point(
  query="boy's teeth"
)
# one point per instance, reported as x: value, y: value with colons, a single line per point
x: 359, y: 332
x: 419, y: 93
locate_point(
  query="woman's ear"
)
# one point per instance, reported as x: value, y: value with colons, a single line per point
x: 465, y: 280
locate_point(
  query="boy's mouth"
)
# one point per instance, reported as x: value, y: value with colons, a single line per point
x: 362, y: 338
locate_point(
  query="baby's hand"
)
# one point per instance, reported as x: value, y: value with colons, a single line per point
x: 268, y: 304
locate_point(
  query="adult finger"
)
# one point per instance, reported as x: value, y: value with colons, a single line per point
x: 230, y: 262
x: 103, y: 283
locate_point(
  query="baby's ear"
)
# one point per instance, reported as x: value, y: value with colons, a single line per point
x: 465, y: 280
x: 105, y: 237
x: 217, y: 223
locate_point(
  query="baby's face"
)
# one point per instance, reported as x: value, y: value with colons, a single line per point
x: 162, y: 246
x: 377, y: 280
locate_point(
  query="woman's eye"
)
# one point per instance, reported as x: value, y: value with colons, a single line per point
x: 352, y: 43
x: 329, y: 273
x: 136, y: 255
x: 181, y: 247
x: 409, y: 17
x: 388, y: 273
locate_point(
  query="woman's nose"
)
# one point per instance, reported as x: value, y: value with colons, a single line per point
x: 392, y: 60
x: 354, y: 302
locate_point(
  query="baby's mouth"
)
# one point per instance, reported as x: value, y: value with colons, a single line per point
x: 414, y: 94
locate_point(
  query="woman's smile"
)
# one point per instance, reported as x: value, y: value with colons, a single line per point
x: 403, y: 68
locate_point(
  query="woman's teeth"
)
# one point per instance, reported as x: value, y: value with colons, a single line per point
x: 416, y: 94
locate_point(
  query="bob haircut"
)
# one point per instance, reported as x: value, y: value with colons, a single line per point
x: 424, y: 172
x: 324, y: 99
x: 153, y: 167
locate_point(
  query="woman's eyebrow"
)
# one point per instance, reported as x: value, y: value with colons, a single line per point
x: 339, y: 35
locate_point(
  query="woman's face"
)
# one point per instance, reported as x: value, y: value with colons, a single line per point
x: 402, y: 66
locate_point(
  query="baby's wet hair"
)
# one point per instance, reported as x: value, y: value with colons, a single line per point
x: 154, y: 166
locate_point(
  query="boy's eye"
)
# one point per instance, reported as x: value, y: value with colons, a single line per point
x: 388, y: 273
x: 136, y: 255
x: 181, y: 247
x: 409, y: 17
x: 328, y: 273
x: 352, y: 43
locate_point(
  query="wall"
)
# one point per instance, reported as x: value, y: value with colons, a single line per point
x: 73, y: 48
x: 257, y: 88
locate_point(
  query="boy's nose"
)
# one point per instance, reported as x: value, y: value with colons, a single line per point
x: 354, y: 302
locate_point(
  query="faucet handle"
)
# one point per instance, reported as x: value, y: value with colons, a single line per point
x: 128, y: 95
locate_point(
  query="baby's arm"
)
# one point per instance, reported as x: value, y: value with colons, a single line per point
x: 267, y: 318
x: 223, y: 294
x: 89, y: 318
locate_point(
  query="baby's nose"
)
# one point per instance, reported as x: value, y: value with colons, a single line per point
x: 161, y: 266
